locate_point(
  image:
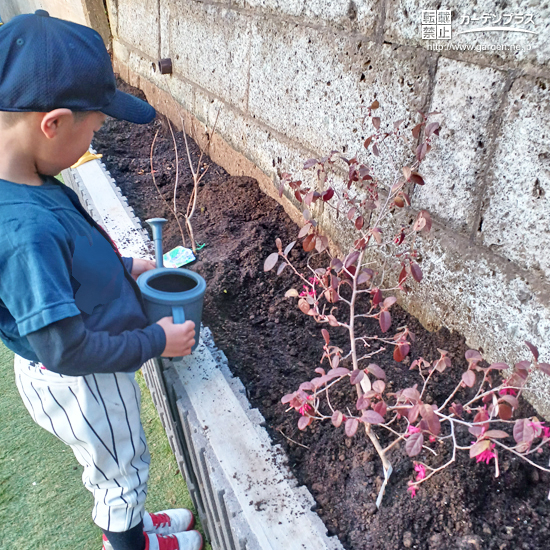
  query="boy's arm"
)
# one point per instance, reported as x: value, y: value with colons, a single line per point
x: 67, y: 347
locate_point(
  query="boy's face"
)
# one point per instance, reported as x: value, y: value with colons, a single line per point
x: 68, y: 140
x: 35, y: 143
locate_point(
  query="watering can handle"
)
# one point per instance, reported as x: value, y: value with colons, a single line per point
x: 178, y: 315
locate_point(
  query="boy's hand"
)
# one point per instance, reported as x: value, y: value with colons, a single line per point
x: 140, y: 266
x: 180, y: 338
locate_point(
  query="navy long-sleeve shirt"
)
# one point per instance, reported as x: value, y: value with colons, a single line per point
x: 67, y: 298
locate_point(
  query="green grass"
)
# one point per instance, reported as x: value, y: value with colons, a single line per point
x: 43, y: 504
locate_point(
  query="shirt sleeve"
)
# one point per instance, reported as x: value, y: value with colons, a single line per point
x: 67, y: 347
x: 128, y: 263
x: 35, y: 273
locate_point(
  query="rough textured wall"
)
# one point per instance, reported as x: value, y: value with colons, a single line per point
x: 66, y: 9
x: 91, y: 13
x: 290, y: 79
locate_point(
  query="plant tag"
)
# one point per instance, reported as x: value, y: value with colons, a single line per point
x: 178, y: 256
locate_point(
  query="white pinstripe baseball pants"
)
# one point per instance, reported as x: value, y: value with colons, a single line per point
x: 98, y: 416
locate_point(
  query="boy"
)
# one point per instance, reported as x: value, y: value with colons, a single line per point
x: 70, y: 308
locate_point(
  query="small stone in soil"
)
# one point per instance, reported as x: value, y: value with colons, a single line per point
x: 407, y: 539
x: 371, y: 508
x: 436, y: 541
x: 469, y: 542
x: 369, y: 469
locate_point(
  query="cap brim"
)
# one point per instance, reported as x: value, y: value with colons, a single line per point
x: 127, y: 107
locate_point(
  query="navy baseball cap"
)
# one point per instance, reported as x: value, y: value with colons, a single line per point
x: 48, y: 63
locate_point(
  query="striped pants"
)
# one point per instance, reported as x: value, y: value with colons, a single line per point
x: 98, y: 416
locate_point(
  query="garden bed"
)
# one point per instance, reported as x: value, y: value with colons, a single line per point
x: 272, y: 347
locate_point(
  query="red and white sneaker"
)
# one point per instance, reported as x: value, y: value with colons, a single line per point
x: 189, y: 540
x: 168, y: 522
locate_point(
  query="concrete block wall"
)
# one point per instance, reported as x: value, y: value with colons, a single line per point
x: 290, y: 78
x: 91, y: 13
x: 66, y: 9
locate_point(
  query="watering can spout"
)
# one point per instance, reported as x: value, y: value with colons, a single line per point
x: 156, y: 225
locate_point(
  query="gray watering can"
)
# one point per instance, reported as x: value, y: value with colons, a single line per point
x: 169, y: 291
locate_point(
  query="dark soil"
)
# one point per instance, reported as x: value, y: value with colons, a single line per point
x: 272, y: 347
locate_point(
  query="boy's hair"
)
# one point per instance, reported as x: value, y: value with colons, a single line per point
x: 8, y: 119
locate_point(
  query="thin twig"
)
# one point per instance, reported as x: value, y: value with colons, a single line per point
x: 286, y: 436
x: 177, y: 166
x: 197, y: 177
x: 161, y: 196
x: 435, y: 470
x: 520, y: 455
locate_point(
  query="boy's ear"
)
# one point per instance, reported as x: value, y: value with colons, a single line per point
x: 52, y: 121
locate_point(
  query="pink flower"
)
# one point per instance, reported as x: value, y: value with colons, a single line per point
x: 412, y: 430
x: 540, y: 426
x: 420, y: 469
x: 508, y: 391
x: 304, y: 409
x: 486, y: 455
x: 307, y: 291
x: 412, y: 488
x: 432, y: 438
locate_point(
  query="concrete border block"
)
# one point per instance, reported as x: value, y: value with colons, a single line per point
x: 277, y: 512
x: 219, y: 512
x: 73, y: 180
x: 98, y: 192
x: 235, y: 384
